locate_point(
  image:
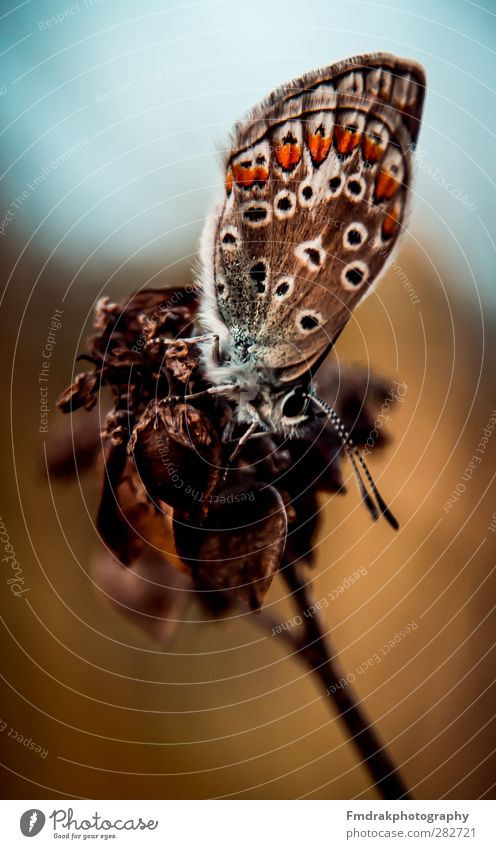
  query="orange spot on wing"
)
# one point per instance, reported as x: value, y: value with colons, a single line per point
x: 386, y: 186
x: 391, y: 222
x: 229, y: 179
x: 319, y: 146
x: 246, y: 176
x: 372, y: 151
x: 347, y: 138
x: 288, y: 154
x: 261, y: 174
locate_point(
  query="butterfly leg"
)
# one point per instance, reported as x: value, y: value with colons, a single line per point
x: 248, y: 434
x: 215, y: 349
x: 260, y: 433
x: 212, y: 390
x: 244, y: 438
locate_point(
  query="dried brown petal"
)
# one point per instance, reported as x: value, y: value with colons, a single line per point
x: 183, y: 360
x: 237, y: 552
x: 178, y: 456
x: 126, y: 519
x: 144, y: 351
x: 106, y: 314
x: 122, y: 330
x: 81, y: 393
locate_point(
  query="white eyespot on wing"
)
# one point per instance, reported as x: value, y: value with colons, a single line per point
x: 354, y: 236
x: 259, y: 275
x: 229, y: 238
x: 354, y: 275
x: 306, y: 194
x: 311, y: 254
x: 355, y: 187
x: 308, y: 321
x: 256, y: 213
x: 284, y: 204
x: 334, y: 187
x: 283, y: 287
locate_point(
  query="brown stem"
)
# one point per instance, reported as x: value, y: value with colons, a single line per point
x: 316, y: 650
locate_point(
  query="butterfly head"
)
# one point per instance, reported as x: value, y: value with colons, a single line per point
x: 273, y: 408
x: 281, y: 410
x: 258, y: 394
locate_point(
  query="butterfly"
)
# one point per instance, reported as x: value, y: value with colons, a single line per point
x: 317, y: 183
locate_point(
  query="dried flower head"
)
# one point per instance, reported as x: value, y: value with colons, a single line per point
x: 168, y: 483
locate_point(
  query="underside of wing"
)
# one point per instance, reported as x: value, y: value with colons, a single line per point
x: 316, y: 185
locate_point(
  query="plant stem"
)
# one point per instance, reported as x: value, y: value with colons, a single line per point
x: 316, y: 650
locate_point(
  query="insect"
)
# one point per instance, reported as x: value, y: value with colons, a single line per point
x: 317, y: 182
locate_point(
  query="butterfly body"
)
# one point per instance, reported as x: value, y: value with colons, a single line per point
x: 317, y: 181
x: 259, y: 395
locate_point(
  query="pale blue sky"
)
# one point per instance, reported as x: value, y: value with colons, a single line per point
x: 138, y: 98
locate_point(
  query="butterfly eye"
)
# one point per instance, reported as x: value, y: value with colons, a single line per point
x: 294, y: 405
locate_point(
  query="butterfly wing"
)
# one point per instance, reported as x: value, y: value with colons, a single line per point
x: 316, y: 185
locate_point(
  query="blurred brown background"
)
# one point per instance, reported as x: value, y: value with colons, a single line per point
x: 113, y: 117
x: 221, y: 710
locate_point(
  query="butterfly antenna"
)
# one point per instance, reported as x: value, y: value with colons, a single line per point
x: 353, y: 455
x: 367, y: 500
x: 386, y: 512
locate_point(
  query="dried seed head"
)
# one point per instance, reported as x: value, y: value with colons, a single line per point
x: 178, y: 456
x: 238, y: 550
x: 167, y: 459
